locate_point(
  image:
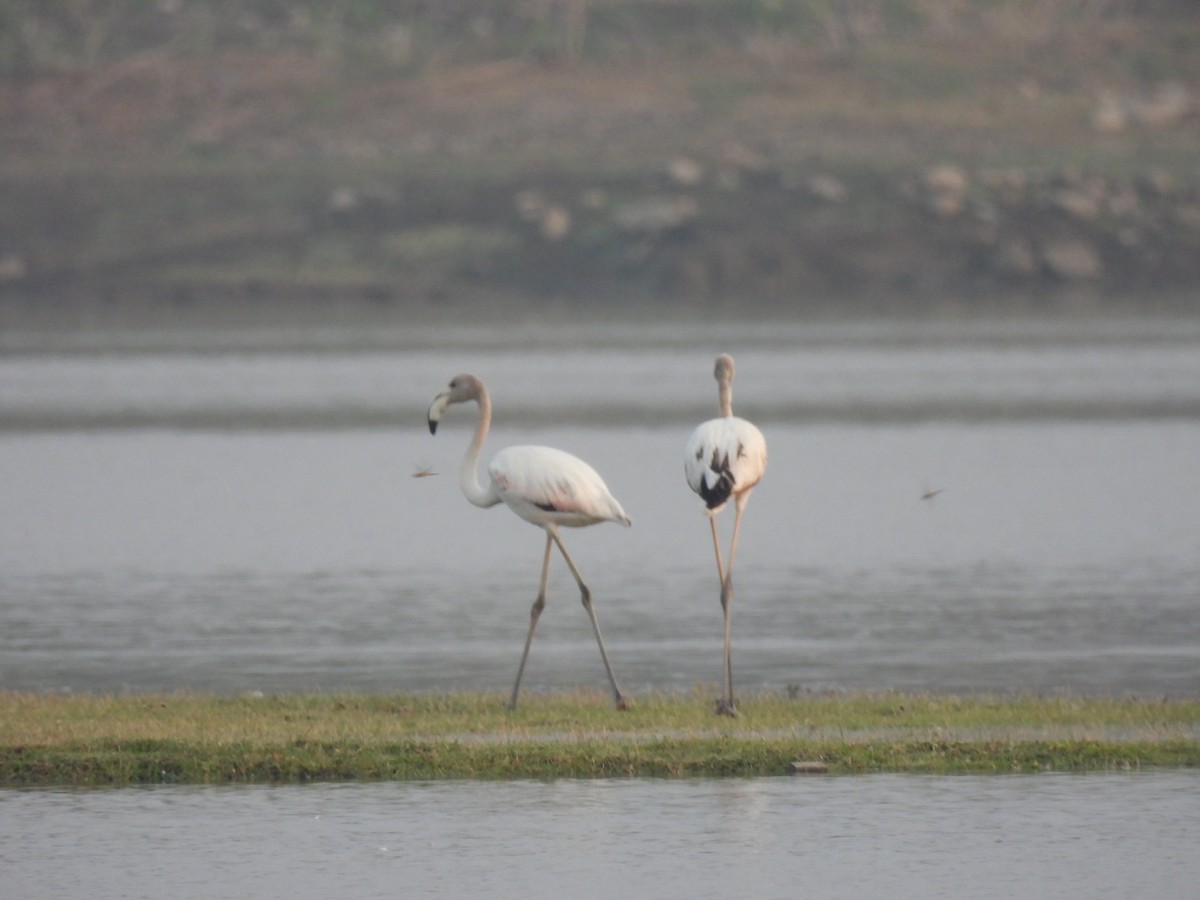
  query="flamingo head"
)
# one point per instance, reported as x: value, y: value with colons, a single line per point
x: 723, y: 369
x: 461, y: 389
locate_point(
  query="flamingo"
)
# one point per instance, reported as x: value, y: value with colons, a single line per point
x: 725, y: 457
x: 542, y: 485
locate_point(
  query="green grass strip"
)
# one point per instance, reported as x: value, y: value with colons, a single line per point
x: 55, y: 739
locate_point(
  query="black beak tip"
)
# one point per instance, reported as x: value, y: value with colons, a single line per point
x: 432, y: 427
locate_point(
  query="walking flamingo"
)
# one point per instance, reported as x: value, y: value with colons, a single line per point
x: 542, y: 485
x: 725, y: 457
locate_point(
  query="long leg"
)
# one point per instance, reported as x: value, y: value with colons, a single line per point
x: 586, y: 596
x: 712, y: 520
x: 538, y: 605
x: 726, y: 705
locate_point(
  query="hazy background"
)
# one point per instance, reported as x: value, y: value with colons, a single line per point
x: 299, y: 161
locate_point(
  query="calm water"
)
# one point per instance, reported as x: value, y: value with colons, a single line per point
x: 235, y: 510
x: 895, y: 837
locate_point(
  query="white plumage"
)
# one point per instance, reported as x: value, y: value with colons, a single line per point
x: 542, y: 485
x: 725, y: 458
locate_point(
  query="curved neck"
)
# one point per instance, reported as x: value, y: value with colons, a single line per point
x: 476, y: 493
x: 725, y: 398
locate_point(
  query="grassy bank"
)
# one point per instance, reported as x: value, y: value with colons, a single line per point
x: 51, y: 739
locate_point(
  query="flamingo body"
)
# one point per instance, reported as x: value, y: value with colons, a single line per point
x: 724, y: 457
x: 546, y: 485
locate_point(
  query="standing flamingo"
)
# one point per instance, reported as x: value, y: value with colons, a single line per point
x: 725, y: 457
x: 542, y: 485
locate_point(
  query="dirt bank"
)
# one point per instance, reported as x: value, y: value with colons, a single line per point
x: 676, y: 155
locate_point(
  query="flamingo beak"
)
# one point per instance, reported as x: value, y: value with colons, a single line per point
x: 436, y: 408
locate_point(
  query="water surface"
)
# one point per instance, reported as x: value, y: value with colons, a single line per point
x: 236, y: 510
x: 892, y: 837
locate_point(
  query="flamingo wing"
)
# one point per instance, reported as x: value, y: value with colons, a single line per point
x: 544, y: 485
x: 723, y: 457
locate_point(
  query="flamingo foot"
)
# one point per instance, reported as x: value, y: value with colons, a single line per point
x: 623, y: 703
x: 725, y: 707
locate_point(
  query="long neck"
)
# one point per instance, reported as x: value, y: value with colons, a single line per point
x: 725, y: 397
x: 478, y: 494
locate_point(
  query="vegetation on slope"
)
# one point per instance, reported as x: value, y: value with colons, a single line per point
x: 611, y: 154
